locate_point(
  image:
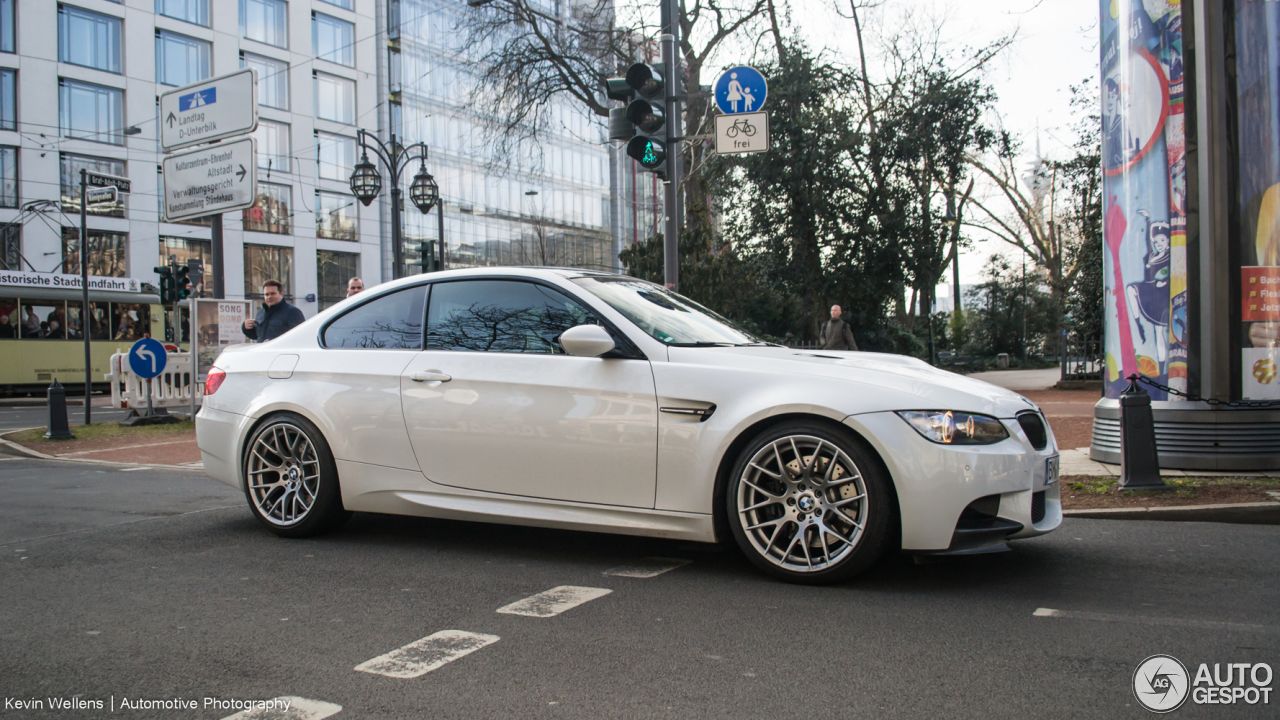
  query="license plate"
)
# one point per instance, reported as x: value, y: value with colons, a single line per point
x: 1051, y: 470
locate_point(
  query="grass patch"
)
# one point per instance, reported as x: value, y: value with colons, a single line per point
x: 106, y: 431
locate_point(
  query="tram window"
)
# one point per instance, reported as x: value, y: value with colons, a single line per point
x: 99, y: 321
x: 73, y: 320
x: 130, y: 320
x: 44, y: 319
x: 9, y: 318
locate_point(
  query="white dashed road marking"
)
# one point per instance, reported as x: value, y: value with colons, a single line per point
x: 1143, y: 620
x: 429, y: 653
x: 298, y: 709
x: 553, y: 601
x: 647, y: 568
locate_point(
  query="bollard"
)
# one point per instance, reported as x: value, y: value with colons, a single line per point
x: 1139, y: 464
x: 59, y: 428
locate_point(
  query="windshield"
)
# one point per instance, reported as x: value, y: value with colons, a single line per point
x: 666, y: 316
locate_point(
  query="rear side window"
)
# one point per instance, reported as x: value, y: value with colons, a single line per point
x: 392, y: 322
x: 501, y: 316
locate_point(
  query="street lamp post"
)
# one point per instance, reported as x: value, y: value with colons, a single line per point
x: 366, y: 183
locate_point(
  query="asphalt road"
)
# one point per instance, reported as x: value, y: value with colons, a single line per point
x: 13, y: 418
x: 161, y: 585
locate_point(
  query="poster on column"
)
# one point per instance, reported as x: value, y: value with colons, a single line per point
x: 1258, y: 203
x: 218, y: 324
x: 1144, y: 194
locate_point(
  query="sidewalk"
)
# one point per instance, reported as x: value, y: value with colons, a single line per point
x: 164, y: 445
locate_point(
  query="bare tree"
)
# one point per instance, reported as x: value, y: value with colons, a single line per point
x: 531, y: 58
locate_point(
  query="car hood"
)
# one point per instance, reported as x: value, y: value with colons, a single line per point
x: 867, y: 381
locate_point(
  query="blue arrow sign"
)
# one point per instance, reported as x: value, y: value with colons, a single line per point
x: 147, y: 358
x: 741, y: 89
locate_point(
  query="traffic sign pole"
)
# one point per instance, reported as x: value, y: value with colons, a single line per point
x: 671, y: 188
x: 84, y: 295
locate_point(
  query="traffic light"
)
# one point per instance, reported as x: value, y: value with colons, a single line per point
x: 168, y: 290
x: 182, y: 283
x: 643, y: 122
x: 427, y: 259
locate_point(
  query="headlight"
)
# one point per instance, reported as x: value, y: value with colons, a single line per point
x: 955, y: 428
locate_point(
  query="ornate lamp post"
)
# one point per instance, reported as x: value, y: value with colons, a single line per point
x: 366, y: 183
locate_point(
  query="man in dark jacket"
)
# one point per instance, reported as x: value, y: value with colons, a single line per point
x: 835, y: 333
x: 276, y: 317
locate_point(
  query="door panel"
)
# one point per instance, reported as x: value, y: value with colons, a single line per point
x: 538, y: 425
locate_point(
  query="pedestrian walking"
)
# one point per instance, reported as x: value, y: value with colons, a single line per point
x: 276, y: 317
x: 836, y: 334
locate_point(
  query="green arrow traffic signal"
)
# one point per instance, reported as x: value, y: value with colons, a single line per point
x: 651, y: 153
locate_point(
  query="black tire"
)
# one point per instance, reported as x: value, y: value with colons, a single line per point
x: 291, y: 481
x: 809, y: 525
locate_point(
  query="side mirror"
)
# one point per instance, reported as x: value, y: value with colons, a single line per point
x: 586, y: 341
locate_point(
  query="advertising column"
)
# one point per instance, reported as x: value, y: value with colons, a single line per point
x: 1144, y: 194
x: 1257, y: 27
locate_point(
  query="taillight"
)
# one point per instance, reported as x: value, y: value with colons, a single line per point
x: 213, y: 381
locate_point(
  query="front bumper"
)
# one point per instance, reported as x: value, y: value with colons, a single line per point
x: 935, y: 483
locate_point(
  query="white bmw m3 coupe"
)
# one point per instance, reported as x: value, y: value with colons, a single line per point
x: 570, y: 399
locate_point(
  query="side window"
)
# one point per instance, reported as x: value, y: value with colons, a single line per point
x: 392, y: 322
x: 501, y: 316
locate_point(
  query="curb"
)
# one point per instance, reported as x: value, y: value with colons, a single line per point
x: 27, y: 452
x: 1255, y: 513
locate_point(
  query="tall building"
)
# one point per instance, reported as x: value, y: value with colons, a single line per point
x: 110, y: 61
x: 559, y: 215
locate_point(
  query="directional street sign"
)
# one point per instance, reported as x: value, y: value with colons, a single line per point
x: 214, y: 179
x: 147, y: 358
x: 742, y: 133
x: 741, y: 89
x: 101, y: 195
x: 206, y: 111
x: 101, y: 180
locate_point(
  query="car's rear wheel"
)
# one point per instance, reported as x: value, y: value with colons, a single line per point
x: 291, y: 481
x: 809, y: 504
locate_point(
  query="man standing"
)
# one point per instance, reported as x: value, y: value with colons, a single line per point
x: 276, y: 317
x: 355, y: 286
x: 836, y: 334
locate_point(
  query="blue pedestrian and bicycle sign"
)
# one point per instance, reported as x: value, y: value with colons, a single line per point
x: 147, y: 358
x: 741, y: 89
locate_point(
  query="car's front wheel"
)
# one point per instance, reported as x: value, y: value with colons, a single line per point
x: 809, y: 504
x: 291, y: 480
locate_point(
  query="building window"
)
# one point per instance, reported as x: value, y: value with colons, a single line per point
x: 397, y: 118
x: 90, y: 112
x: 265, y: 21
x: 8, y: 177
x: 335, y: 216
x: 11, y: 246
x: 270, y: 211
x: 395, y: 71
x: 6, y: 26
x: 89, y: 39
x: 181, y: 60
x: 8, y: 100
x: 333, y: 39
x: 273, y: 146
x: 71, y: 165
x: 267, y: 262
x: 335, y: 156
x: 192, y: 11
x: 344, y: 4
x: 335, y: 98
x: 106, y: 252
x: 184, y: 249
x: 333, y: 271
x: 273, y: 79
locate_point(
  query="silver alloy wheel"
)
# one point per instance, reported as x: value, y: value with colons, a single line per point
x: 802, y: 503
x: 284, y: 474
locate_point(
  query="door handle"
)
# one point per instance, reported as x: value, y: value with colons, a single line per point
x: 429, y: 376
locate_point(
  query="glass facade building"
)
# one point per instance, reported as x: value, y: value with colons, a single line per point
x: 558, y: 216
